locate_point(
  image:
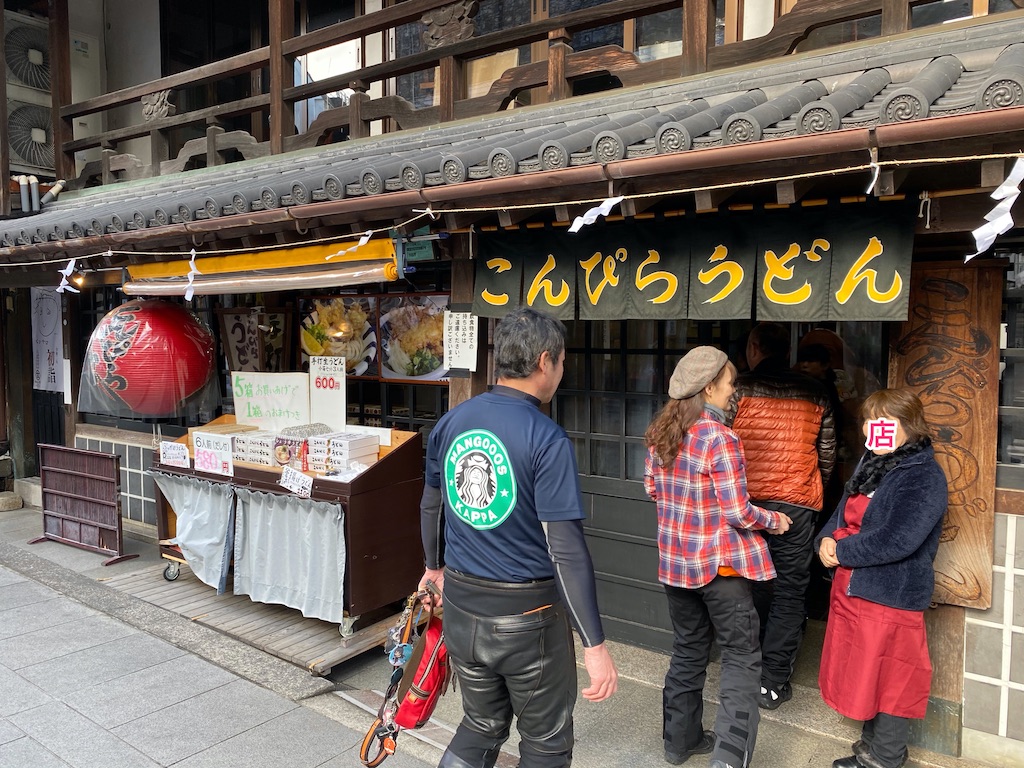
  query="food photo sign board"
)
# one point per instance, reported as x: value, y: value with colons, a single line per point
x: 397, y: 337
x: 412, y: 338
x: 342, y: 327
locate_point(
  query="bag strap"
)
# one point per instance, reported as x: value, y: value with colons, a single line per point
x: 384, y: 733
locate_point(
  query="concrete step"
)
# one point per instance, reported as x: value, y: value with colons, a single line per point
x: 30, y: 490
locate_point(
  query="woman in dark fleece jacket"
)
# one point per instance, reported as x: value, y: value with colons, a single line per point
x: 882, y: 541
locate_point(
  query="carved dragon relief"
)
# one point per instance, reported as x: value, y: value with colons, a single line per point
x: 157, y: 105
x: 449, y: 24
x: 948, y: 367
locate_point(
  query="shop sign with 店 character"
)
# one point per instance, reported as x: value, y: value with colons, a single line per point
x: 832, y: 263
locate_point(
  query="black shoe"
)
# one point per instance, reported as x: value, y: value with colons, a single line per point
x: 772, y: 696
x: 847, y: 762
x: 704, y: 746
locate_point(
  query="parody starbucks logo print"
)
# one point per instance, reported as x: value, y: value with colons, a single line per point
x: 478, y: 479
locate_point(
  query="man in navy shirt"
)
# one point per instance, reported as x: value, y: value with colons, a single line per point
x: 502, y: 528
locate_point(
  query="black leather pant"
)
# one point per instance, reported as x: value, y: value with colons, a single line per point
x: 516, y: 663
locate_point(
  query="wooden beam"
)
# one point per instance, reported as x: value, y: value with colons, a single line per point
x: 993, y: 172
x: 890, y: 180
x: 632, y: 207
x: 511, y: 218
x: 60, y: 88
x: 709, y: 200
x: 451, y: 90
x: 462, y: 220
x: 790, y: 192
x: 282, y: 113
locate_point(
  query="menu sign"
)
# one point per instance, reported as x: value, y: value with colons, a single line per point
x: 213, y: 453
x: 271, y: 400
x: 297, y: 482
x: 327, y: 390
x: 174, y: 454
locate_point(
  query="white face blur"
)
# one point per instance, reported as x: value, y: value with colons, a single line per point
x: 719, y: 393
x: 883, y: 434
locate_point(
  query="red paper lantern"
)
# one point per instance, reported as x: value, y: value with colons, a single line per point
x: 149, y: 356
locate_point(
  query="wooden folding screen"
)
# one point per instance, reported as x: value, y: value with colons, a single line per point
x: 82, y: 500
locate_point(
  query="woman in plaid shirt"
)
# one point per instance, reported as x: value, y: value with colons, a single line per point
x: 710, y: 552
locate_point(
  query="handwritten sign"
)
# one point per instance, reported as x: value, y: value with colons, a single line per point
x: 271, y: 400
x: 460, y: 336
x: 297, y: 482
x: 327, y: 390
x: 213, y: 453
x: 174, y: 454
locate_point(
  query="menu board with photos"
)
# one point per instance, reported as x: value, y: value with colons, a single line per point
x: 342, y: 326
x: 412, y: 337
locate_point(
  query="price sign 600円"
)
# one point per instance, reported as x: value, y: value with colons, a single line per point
x: 327, y: 390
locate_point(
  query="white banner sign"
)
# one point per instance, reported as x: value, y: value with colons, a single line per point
x: 174, y: 454
x: 327, y: 391
x: 297, y: 482
x: 271, y: 400
x: 460, y: 332
x: 47, y: 341
x: 213, y: 453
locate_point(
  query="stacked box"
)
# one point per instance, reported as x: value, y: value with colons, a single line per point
x: 261, y: 448
x: 340, y: 450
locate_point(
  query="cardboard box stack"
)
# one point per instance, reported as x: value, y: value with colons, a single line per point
x: 340, y: 450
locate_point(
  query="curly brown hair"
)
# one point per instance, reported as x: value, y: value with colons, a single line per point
x: 665, y: 433
x: 899, y: 404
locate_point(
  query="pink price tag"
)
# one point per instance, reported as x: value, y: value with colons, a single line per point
x: 881, y: 435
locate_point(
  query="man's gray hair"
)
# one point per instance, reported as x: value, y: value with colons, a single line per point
x: 520, y: 338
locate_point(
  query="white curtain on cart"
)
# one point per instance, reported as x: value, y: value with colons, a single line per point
x: 291, y: 551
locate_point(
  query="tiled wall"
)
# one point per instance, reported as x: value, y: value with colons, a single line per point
x: 138, y: 501
x: 994, y: 674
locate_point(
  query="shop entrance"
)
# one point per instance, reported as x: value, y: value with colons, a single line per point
x: 616, y: 374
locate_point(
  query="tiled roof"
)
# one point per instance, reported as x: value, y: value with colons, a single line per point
x: 944, y: 73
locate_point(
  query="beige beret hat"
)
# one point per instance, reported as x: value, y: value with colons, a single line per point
x: 696, y: 370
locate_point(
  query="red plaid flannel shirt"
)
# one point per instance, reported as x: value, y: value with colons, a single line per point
x: 705, y: 518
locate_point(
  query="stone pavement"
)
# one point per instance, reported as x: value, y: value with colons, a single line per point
x: 91, y: 677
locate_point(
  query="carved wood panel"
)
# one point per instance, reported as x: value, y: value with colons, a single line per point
x: 948, y: 353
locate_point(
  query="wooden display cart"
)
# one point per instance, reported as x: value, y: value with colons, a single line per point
x: 384, y: 559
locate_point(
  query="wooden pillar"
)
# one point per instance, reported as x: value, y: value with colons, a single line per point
x: 71, y: 312
x: 698, y: 35
x: 282, y: 115
x: 895, y: 17
x: 948, y: 353
x: 358, y: 126
x: 60, y: 87
x: 450, y: 74
x: 463, y: 268
x: 5, y: 150
x: 213, y: 157
x: 558, y: 49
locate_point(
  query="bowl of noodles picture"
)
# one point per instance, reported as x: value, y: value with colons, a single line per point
x: 412, y: 339
x: 337, y: 329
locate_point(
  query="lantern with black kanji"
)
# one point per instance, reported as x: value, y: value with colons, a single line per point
x: 146, y: 358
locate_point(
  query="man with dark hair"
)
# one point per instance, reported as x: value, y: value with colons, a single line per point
x: 784, y: 419
x: 502, y: 527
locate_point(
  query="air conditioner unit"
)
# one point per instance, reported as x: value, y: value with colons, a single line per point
x: 27, y: 59
x: 30, y: 138
x: 27, y: 52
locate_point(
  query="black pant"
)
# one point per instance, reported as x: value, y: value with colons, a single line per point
x: 722, y: 610
x: 516, y: 663
x: 781, y: 603
x: 887, y: 736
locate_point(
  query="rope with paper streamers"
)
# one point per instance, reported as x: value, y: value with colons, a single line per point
x: 999, y: 218
x: 603, y: 206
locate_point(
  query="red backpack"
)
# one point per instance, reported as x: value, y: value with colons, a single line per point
x: 414, y: 690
